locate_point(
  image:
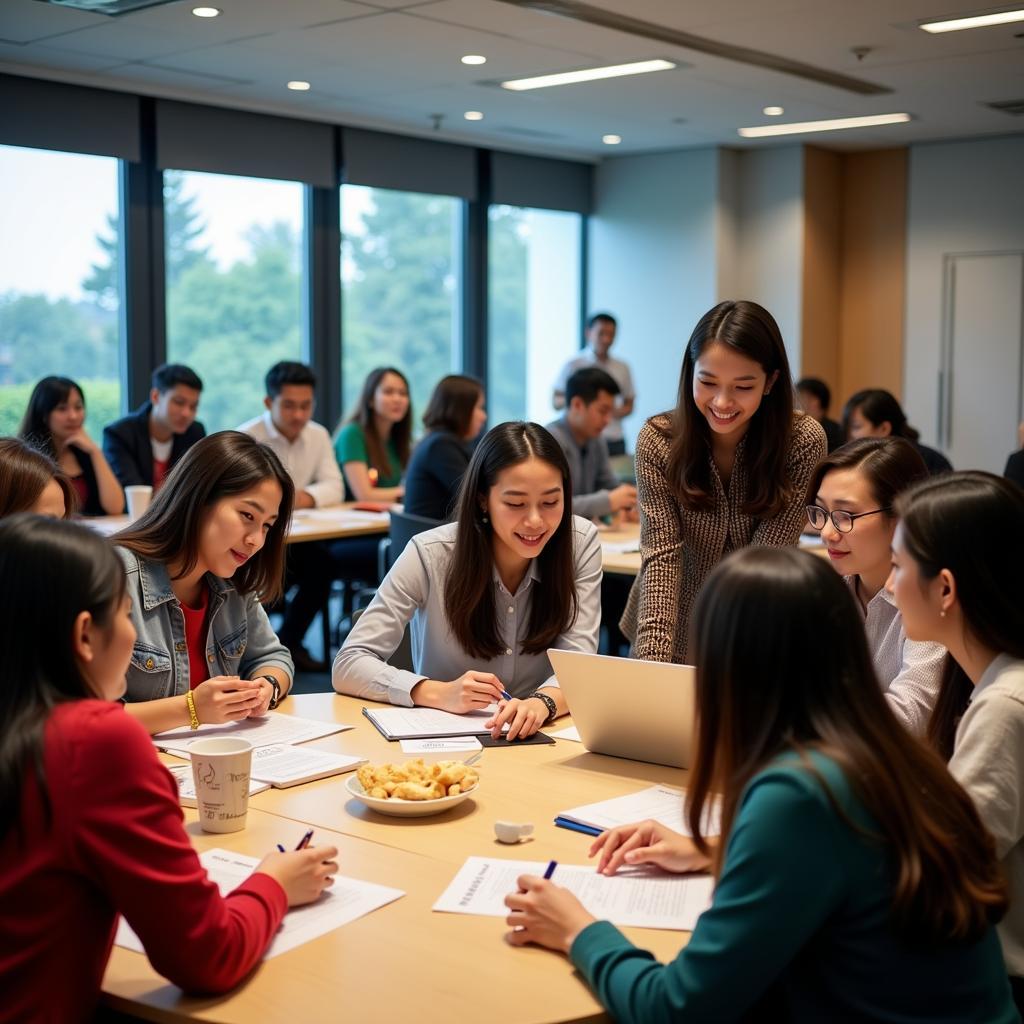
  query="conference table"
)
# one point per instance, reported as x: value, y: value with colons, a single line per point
x: 404, y: 962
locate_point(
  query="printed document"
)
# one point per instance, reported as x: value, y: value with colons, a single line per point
x: 659, y: 803
x: 272, y: 728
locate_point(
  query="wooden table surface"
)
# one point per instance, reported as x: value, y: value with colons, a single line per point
x: 404, y: 962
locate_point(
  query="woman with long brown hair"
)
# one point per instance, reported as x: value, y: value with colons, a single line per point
x: 854, y: 878
x: 958, y: 567
x: 727, y: 467
x: 200, y: 561
x: 486, y: 596
x: 31, y: 482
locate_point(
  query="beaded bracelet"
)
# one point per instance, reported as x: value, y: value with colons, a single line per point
x: 193, y: 717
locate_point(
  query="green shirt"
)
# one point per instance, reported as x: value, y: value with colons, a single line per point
x: 798, y: 930
x: 350, y: 446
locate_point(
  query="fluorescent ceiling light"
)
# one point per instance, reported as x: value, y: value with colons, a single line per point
x: 773, y: 111
x: 206, y: 12
x: 588, y: 75
x: 611, y: 140
x: 473, y: 115
x: 299, y: 86
x: 974, y: 21
x: 474, y: 58
x: 798, y: 128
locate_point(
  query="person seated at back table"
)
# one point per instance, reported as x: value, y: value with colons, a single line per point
x: 55, y: 424
x: 455, y: 416
x: 815, y: 398
x: 304, y: 448
x: 143, y: 447
x: 877, y: 413
x: 486, y: 596
x: 90, y: 824
x: 31, y: 482
x: 1015, y: 463
x: 590, y: 401
x: 372, y: 446
x: 854, y: 878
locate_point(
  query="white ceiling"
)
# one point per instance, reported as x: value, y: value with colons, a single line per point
x: 394, y: 63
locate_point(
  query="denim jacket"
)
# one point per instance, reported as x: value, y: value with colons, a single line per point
x: 239, y: 638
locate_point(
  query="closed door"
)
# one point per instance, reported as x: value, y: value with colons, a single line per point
x: 983, y: 359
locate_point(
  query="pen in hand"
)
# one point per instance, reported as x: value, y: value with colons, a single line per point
x: 304, y: 841
x: 549, y: 872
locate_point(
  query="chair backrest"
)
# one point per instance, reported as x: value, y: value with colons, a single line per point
x: 402, y: 656
x: 405, y: 526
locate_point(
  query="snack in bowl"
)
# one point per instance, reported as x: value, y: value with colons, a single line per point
x: 416, y: 780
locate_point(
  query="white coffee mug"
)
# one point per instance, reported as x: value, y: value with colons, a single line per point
x: 139, y: 496
x: 220, y: 768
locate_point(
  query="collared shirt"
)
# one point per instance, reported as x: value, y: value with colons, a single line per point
x: 239, y: 638
x: 309, y: 459
x: 910, y: 671
x: 591, y: 472
x: 412, y: 595
x: 619, y: 372
x: 988, y: 761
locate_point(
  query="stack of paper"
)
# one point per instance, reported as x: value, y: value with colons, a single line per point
x: 427, y: 723
x: 271, y: 729
x: 182, y: 774
x: 663, y: 804
x: 284, y: 766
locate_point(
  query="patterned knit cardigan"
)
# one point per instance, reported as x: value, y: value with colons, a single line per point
x: 680, y: 546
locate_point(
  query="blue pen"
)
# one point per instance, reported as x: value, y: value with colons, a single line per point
x: 551, y: 869
x: 281, y: 848
x: 304, y: 841
x: 506, y: 695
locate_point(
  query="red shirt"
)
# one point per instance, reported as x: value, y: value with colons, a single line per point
x: 81, y: 486
x: 160, y: 471
x: 195, y: 640
x: 116, y: 844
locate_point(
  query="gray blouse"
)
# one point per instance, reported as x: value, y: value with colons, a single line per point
x: 412, y: 594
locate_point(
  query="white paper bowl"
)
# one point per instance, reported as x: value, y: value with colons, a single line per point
x: 405, y: 808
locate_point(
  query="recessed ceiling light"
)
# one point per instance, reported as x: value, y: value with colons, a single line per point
x: 474, y: 58
x: 773, y: 111
x: 611, y: 140
x: 473, y: 115
x: 798, y: 128
x: 299, y: 86
x: 587, y: 75
x: 206, y: 12
x: 974, y: 21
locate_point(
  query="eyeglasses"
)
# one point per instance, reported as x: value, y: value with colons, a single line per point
x: 842, y: 521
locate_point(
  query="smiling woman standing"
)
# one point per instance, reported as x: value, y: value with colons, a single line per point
x: 199, y: 562
x: 727, y: 467
x: 486, y: 596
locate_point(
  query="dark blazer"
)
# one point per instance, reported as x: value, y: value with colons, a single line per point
x: 834, y: 436
x: 433, y: 475
x: 935, y: 461
x: 127, y: 446
x: 1015, y: 468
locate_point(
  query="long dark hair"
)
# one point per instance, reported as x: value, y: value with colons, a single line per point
x: 53, y: 571
x: 24, y: 472
x: 750, y: 330
x: 401, y: 432
x: 783, y: 666
x: 969, y: 523
x: 469, y: 589
x: 218, y: 466
x: 878, y: 407
x: 452, y: 403
x: 46, y: 396
x: 889, y: 464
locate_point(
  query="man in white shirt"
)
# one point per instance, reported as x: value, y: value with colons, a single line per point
x: 304, y: 448
x: 600, y: 335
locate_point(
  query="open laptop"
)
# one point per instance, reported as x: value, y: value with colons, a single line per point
x: 643, y: 710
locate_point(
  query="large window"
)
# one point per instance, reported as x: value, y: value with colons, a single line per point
x: 400, y: 256
x: 533, y: 308
x: 233, y: 250
x: 59, y: 280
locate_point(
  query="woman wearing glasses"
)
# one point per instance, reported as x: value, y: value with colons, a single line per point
x: 850, y: 499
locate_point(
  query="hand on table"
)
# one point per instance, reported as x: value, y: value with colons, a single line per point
x: 544, y: 913
x: 646, y: 842
x: 303, y: 874
x: 623, y: 498
x: 470, y: 692
x: 224, y: 699
x: 525, y: 717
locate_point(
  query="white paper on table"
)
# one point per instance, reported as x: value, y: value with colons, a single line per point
x: 638, y: 897
x: 260, y: 732
x: 285, y: 765
x: 428, y: 723
x: 659, y: 803
x: 621, y: 547
x: 187, y: 784
x: 340, y: 516
x: 443, y: 745
x: 811, y: 540
x: 347, y: 900
x: 572, y: 733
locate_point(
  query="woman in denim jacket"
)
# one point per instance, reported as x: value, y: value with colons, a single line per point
x: 199, y: 561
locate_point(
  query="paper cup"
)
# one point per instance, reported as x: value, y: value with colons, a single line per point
x: 138, y: 496
x: 220, y: 768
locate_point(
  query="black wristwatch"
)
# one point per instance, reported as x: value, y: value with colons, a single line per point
x: 276, y: 687
x: 548, y: 703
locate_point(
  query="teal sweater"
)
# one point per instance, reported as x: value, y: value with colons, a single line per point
x: 799, y: 930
